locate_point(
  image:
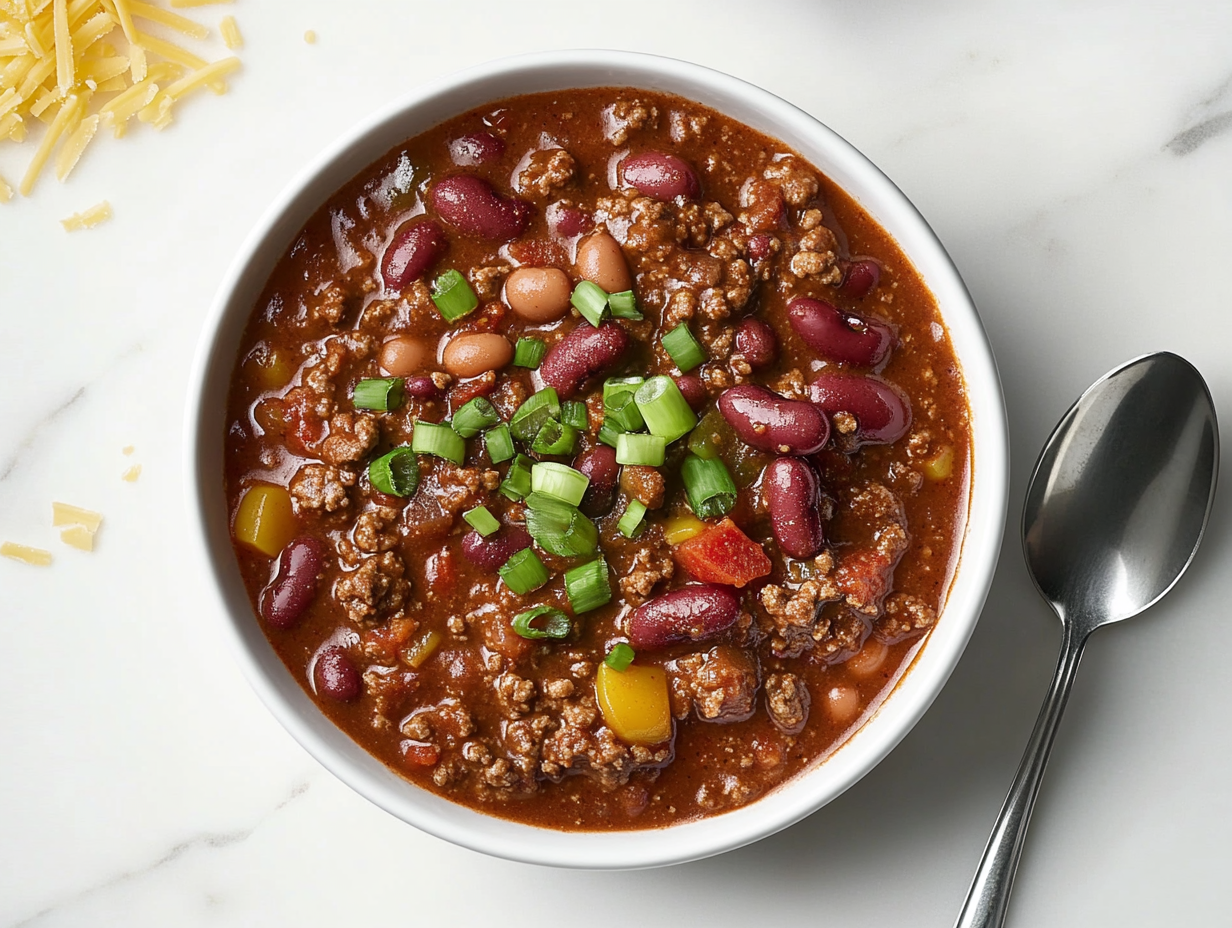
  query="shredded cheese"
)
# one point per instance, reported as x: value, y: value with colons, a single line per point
x: 127, y: 450
x: 6, y: 192
x: 36, y: 557
x: 89, y: 218
x: 131, y: 475
x: 230, y: 31
x: 79, y: 537
x: 310, y: 37
x: 67, y: 514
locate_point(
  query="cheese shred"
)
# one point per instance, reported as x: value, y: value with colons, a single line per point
x: 230, y: 31
x: 68, y: 514
x: 89, y: 218
x: 36, y: 557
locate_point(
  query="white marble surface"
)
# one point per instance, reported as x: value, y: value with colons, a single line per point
x: 1075, y: 158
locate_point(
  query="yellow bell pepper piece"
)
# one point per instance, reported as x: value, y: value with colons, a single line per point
x: 941, y: 464
x: 634, y: 703
x: 271, y: 369
x: 265, y: 519
x: 421, y: 649
x: 682, y: 527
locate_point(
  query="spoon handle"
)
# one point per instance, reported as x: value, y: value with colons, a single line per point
x: 989, y: 896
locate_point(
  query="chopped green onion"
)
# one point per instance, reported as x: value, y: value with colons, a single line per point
x: 640, y: 449
x: 481, y: 520
x: 559, y: 481
x: 620, y: 657
x: 624, y: 305
x: 499, y: 443
x: 591, y: 301
x: 555, y: 623
x: 395, y: 473
x: 530, y: 416
x: 574, y: 413
x: 438, y: 440
x: 685, y: 350
x: 664, y: 408
x: 523, y: 572
x: 609, y: 432
x: 474, y: 417
x: 516, y: 484
x: 587, y: 586
x: 529, y: 352
x: 619, y: 404
x: 555, y: 438
x: 559, y: 528
x: 704, y: 440
x: 708, y: 485
x: 383, y: 393
x: 453, y: 296
x: 631, y: 522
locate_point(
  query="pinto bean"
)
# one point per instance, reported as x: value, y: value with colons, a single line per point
x: 771, y: 422
x: 291, y: 591
x: 793, y: 497
x: 423, y: 388
x: 840, y: 336
x: 491, y: 552
x: 757, y: 343
x: 476, y: 148
x: 601, y: 261
x: 860, y: 278
x: 415, y: 247
x: 692, y: 389
x: 599, y: 464
x: 471, y: 206
x: 882, y: 412
x: 476, y: 353
x: 404, y: 355
x: 692, y: 613
x: 661, y: 176
x: 335, y: 676
x: 584, y: 351
x: 538, y: 294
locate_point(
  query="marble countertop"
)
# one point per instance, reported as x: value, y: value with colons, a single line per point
x: 1076, y: 159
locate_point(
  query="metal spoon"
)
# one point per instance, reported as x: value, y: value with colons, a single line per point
x: 1116, y: 509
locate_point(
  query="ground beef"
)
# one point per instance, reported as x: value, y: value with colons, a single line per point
x: 625, y: 116
x: 546, y: 171
x: 650, y: 563
x: 905, y: 615
x: 461, y: 487
x: 321, y: 486
x: 865, y: 576
x: 513, y: 694
x: 371, y: 533
x: 793, y: 618
x: 787, y: 701
x: 721, y: 685
x: 390, y: 689
x: 487, y: 281
x: 351, y: 437
x: 374, y: 591
x: 644, y: 484
x: 796, y: 180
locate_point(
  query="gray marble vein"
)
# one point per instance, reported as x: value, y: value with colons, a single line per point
x: 27, y: 442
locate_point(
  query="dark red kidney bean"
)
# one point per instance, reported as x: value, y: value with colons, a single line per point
x: 691, y: 613
x: 771, y: 422
x: 335, y: 676
x: 423, y: 388
x: 491, y: 552
x: 692, y: 389
x: 838, y: 335
x: 757, y: 343
x: 471, y: 206
x: 793, y: 497
x: 415, y: 247
x: 599, y: 464
x: 881, y: 410
x: 661, y: 176
x: 476, y: 148
x: 580, y: 354
x: 760, y: 246
x: 570, y: 222
x: 291, y: 591
x: 860, y: 278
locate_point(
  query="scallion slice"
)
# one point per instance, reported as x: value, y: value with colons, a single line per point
x: 618, y: 402
x: 587, y: 586
x: 624, y: 305
x: 453, y: 296
x: 396, y: 472
x: 620, y: 657
x: 383, y: 393
x: 474, y: 417
x: 559, y: 481
x: 481, y: 520
x: 631, y: 522
x: 590, y: 300
x: 555, y: 438
x: 559, y: 528
x: 530, y: 416
x: 438, y: 440
x: 708, y: 485
x: 529, y: 352
x: 516, y: 484
x: 499, y: 443
x: 649, y: 450
x: 555, y: 624
x: 664, y: 408
x: 574, y: 413
x: 524, y: 572
x: 609, y: 432
x: 685, y: 350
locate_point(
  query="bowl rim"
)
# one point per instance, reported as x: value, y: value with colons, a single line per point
x: 877, y: 733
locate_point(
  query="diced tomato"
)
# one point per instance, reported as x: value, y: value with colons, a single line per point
x: 420, y: 754
x: 440, y: 572
x: 305, y: 426
x: 864, y: 579
x: 466, y: 391
x: 538, y: 253
x: 385, y: 641
x: 723, y: 554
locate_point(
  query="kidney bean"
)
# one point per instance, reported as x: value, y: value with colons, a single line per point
x: 415, y: 247
x: 569, y: 221
x: 771, y: 422
x: 692, y: 613
x: 476, y: 148
x: 471, y: 206
x: 601, y: 261
x: 335, y: 676
x: 793, y: 497
x: 491, y: 552
x: 404, y: 355
x: 838, y: 335
x: 423, y: 388
x: 692, y: 389
x: 538, y: 294
x: 294, y: 585
x: 860, y: 277
x: 476, y: 353
x: 757, y: 343
x: 881, y: 410
x: 661, y: 176
x: 599, y: 464
x: 584, y: 351
x: 760, y: 246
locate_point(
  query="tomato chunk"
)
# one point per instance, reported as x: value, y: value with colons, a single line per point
x: 723, y: 554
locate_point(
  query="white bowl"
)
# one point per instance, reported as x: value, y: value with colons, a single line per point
x: 204, y: 432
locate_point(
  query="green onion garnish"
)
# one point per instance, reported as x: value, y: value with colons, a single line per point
x: 559, y: 481
x: 530, y: 416
x: 474, y: 417
x: 587, y: 586
x: 499, y: 443
x: 620, y: 657
x: 631, y: 522
x: 524, y: 572
x: 555, y: 623
x: 529, y: 352
x: 609, y: 432
x: 685, y: 350
x: 383, y: 393
x: 574, y: 413
x: 708, y: 485
x: 624, y: 305
x: 559, y: 528
x: 481, y: 520
x: 555, y: 438
x: 664, y: 408
x: 453, y: 296
x: 395, y: 473
x: 591, y: 301
x: 649, y: 450
x: 516, y: 484
x: 619, y: 405
x: 438, y: 440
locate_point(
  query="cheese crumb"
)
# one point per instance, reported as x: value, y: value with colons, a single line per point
x: 89, y: 218
x: 131, y: 475
x: 231, y: 32
x: 36, y: 557
x: 79, y: 537
x: 65, y: 514
x: 127, y: 450
x: 310, y: 37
